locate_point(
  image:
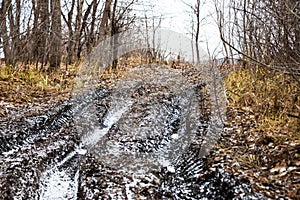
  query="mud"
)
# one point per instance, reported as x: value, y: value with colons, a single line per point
x: 142, y: 140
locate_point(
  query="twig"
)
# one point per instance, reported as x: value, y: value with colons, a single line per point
x: 292, y: 115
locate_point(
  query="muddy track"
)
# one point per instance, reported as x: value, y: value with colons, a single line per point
x: 29, y: 145
x: 23, y: 131
x: 142, y: 140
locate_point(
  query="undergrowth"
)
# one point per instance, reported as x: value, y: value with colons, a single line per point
x: 28, y: 84
x: 274, y: 99
x: 24, y: 84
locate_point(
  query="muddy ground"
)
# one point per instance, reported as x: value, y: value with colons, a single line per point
x: 101, y: 144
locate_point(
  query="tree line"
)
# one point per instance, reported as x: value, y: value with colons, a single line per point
x: 47, y: 32
x: 262, y: 32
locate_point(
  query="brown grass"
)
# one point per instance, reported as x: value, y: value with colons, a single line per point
x: 273, y: 98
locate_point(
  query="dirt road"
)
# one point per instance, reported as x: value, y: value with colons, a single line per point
x: 145, y: 139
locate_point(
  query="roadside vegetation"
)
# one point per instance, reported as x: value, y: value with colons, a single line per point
x: 28, y: 85
x: 262, y: 136
x: 22, y: 85
x: 273, y: 98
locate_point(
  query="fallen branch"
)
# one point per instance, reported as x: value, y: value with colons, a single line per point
x: 292, y: 115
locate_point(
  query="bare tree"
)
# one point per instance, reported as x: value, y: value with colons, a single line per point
x: 4, y: 32
x: 120, y: 21
x: 56, y: 35
x: 196, y: 23
x: 11, y: 14
x: 104, y: 24
x: 68, y: 19
x: 266, y: 33
x: 81, y: 27
x: 42, y: 35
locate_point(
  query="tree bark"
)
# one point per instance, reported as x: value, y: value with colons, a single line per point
x: 56, y: 35
x: 78, y: 22
x: 104, y: 24
x: 4, y: 32
x: 11, y: 35
x: 114, y: 37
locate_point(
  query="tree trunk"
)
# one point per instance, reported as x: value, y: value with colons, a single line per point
x: 78, y: 22
x: 114, y: 37
x: 104, y: 25
x: 11, y: 35
x: 70, y: 43
x: 197, y: 10
x: 56, y: 35
x: 40, y: 31
x: 4, y: 32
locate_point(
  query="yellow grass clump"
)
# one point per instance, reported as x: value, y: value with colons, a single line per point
x: 274, y: 98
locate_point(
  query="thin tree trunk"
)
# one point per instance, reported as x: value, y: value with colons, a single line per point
x: 70, y: 43
x: 56, y: 35
x: 104, y: 24
x: 4, y: 32
x: 114, y: 37
x: 197, y: 9
x: 78, y: 22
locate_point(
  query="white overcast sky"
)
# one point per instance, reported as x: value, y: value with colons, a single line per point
x: 177, y: 19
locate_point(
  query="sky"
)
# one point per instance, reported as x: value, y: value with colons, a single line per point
x: 178, y: 19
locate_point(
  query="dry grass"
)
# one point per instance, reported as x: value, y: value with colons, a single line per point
x: 263, y: 128
x: 27, y: 85
x: 273, y: 98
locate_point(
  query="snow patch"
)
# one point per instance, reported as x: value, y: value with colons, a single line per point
x: 59, y: 185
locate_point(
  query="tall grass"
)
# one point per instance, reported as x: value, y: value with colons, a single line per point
x: 274, y: 98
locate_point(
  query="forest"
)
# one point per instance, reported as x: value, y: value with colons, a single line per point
x: 94, y: 106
